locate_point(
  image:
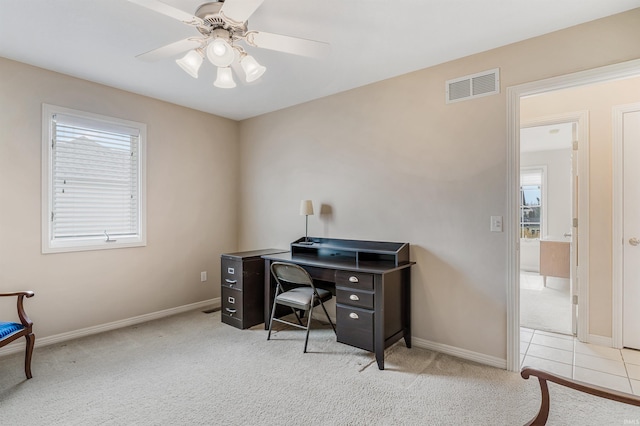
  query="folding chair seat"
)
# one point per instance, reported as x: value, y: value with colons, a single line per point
x: 303, y: 297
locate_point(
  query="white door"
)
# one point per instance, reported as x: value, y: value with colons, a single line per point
x: 631, y: 228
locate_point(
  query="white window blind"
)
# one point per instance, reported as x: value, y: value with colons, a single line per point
x: 531, y: 177
x: 94, y: 181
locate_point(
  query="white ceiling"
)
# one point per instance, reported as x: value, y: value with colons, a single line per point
x: 371, y: 40
x: 546, y: 138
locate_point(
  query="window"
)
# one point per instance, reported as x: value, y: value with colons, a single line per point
x: 531, y: 202
x: 93, y: 187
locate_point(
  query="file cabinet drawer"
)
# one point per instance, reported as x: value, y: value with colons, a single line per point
x: 354, y: 326
x: 235, y: 322
x: 231, y: 273
x: 232, y: 302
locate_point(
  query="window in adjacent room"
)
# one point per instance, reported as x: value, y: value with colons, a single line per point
x: 93, y: 181
x: 531, y: 202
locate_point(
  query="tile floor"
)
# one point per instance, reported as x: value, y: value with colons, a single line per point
x: 567, y: 356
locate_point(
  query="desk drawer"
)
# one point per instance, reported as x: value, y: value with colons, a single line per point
x: 353, y: 297
x: 354, y: 326
x: 232, y: 302
x: 354, y: 280
x: 231, y: 271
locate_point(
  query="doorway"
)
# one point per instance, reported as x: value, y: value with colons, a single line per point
x: 546, y: 212
x: 512, y: 220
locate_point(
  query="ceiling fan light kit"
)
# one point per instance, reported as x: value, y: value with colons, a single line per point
x: 191, y: 62
x: 219, y: 50
x: 252, y: 69
x: 222, y: 25
x: 225, y: 78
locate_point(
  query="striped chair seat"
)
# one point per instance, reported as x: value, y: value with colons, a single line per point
x: 11, y: 331
x: 7, y: 328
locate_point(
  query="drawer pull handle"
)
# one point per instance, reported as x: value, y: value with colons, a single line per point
x: 353, y: 279
x: 354, y: 297
x: 231, y: 311
x: 231, y: 299
x: 232, y: 282
x: 353, y: 315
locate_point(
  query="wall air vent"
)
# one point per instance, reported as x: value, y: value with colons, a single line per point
x: 473, y: 86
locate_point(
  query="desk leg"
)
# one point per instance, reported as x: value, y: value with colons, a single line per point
x: 268, y: 293
x: 406, y: 305
x: 378, y: 332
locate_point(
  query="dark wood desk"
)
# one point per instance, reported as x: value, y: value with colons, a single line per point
x: 372, y: 282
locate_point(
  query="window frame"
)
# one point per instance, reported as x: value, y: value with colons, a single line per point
x: 543, y: 200
x: 49, y: 245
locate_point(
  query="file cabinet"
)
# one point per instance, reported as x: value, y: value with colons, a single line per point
x: 242, y: 287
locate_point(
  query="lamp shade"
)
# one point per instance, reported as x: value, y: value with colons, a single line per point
x: 220, y: 53
x: 190, y: 63
x: 252, y: 69
x: 306, y: 208
x: 225, y: 78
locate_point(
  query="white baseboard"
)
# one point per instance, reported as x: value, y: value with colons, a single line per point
x: 18, y: 345
x: 600, y: 340
x: 460, y: 353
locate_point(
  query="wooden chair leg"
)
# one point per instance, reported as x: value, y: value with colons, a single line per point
x: 31, y: 339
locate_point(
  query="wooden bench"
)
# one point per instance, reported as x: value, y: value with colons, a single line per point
x: 544, y: 376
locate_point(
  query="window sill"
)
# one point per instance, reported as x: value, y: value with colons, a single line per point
x: 91, y: 245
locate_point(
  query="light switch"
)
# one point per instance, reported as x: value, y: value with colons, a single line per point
x: 496, y: 223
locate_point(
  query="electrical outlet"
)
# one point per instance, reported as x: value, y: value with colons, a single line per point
x: 203, y: 276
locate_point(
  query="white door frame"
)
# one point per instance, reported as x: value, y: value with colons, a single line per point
x: 618, y: 220
x: 514, y: 93
x: 580, y: 119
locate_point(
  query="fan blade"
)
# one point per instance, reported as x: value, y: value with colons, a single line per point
x: 288, y: 44
x: 239, y: 11
x: 171, y: 49
x: 169, y: 11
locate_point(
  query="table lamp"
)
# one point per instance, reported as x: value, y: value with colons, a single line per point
x: 306, y: 209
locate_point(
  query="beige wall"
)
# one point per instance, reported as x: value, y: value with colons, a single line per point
x: 389, y: 161
x: 598, y: 100
x: 392, y: 161
x: 192, y: 168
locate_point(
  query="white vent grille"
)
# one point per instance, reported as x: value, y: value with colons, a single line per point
x: 473, y: 86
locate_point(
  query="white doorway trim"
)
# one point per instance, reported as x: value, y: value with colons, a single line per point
x: 514, y: 93
x: 618, y: 221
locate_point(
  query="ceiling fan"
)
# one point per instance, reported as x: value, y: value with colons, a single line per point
x: 222, y: 25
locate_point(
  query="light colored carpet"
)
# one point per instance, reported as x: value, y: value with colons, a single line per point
x: 545, y: 308
x: 190, y: 369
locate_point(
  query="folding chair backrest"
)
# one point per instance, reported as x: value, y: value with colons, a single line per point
x: 291, y: 273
